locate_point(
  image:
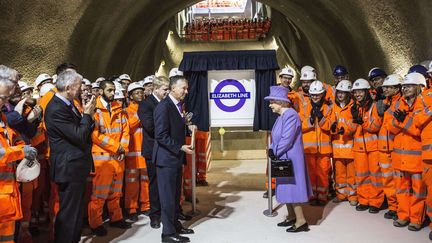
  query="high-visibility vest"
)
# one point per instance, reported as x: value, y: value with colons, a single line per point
x: 330, y: 92
x: 135, y: 144
x: 407, y: 144
x: 423, y: 121
x: 295, y: 99
x: 316, y: 136
x: 111, y: 129
x: 366, y: 135
x: 343, y: 144
x: 385, y: 138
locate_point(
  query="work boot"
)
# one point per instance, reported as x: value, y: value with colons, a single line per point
x: 202, y: 183
x: 430, y: 235
x: 189, y: 199
x: 362, y: 207
x: 400, y: 223
x: 391, y: 214
x: 338, y: 200
x: 414, y: 227
x: 100, y: 231
x: 121, y: 224
x: 265, y: 195
x: 373, y: 210
x: 132, y: 218
x: 353, y: 203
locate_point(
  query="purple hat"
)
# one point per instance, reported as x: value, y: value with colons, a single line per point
x: 278, y: 93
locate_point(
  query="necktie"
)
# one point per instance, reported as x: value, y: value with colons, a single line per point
x: 179, y: 107
x: 74, y: 110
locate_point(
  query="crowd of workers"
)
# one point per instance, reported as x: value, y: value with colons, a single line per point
x: 369, y: 140
x: 122, y: 181
x: 227, y: 29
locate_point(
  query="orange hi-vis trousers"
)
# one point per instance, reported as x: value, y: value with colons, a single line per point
x: 345, y: 179
x: 7, y: 230
x: 319, y: 169
x: 107, y: 187
x: 26, y: 201
x: 136, y: 189
x: 411, y: 195
x: 427, y: 180
x: 368, y: 178
x: 387, y: 172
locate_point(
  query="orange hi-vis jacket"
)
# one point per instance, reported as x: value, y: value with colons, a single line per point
x: 422, y: 120
x: 111, y: 129
x: 316, y: 136
x: 10, y: 201
x: 295, y: 99
x: 330, y: 92
x: 304, y: 99
x: 343, y: 144
x: 407, y: 144
x: 365, y: 136
x: 385, y: 138
x: 135, y: 131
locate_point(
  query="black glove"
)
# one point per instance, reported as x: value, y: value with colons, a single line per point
x: 319, y: 114
x: 341, y: 131
x: 358, y: 120
x: 333, y: 127
x: 312, y: 116
x: 354, y: 111
x: 400, y: 115
x: 271, y: 154
x: 381, y: 107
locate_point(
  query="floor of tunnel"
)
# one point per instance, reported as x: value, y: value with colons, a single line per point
x: 231, y: 210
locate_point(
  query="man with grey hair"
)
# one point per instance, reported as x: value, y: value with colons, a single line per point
x: 9, y: 73
x: 69, y: 135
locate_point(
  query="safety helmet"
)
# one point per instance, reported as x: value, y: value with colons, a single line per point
x: 430, y: 67
x: 392, y: 80
x: 27, y: 170
x: 361, y: 84
x: 149, y: 79
x: 42, y: 77
x: 308, y: 75
x: 287, y: 71
x: 100, y: 79
x: 118, y: 94
x: 86, y: 82
x: 95, y: 85
x: 307, y: 68
x: 376, y: 72
x: 125, y: 77
x: 418, y: 69
x: 54, y: 78
x: 133, y: 86
x: 340, y: 70
x: 344, y: 85
x: 175, y: 72
x: 118, y: 85
x: 45, y: 89
x: 316, y: 87
x: 24, y: 86
x: 414, y: 78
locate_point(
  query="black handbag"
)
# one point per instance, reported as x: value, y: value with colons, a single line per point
x: 282, y: 168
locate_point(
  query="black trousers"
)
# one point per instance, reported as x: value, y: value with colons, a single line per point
x: 69, y: 219
x: 169, y: 183
x: 155, y: 206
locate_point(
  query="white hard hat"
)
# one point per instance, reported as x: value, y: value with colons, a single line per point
x: 125, y: 77
x: 308, y: 75
x: 414, y: 78
x: 54, y: 77
x: 148, y: 80
x: 133, y: 86
x: 430, y: 67
x: 316, y: 87
x: 392, y: 80
x: 361, y: 83
x: 27, y: 170
x: 95, y: 85
x: 118, y: 94
x: 344, y: 85
x: 307, y: 68
x: 45, y: 89
x: 42, y: 77
x: 175, y: 72
x: 118, y: 86
x: 86, y: 82
x: 24, y: 86
x: 287, y: 71
x: 100, y: 79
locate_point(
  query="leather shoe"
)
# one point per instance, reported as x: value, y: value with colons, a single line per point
x: 286, y: 223
x: 373, y: 210
x: 183, y: 216
x: 132, y: 218
x: 155, y: 223
x: 185, y: 231
x: 99, y: 231
x: 265, y: 195
x: 174, y: 238
x: 121, y: 224
x: 362, y: 207
x: 302, y: 228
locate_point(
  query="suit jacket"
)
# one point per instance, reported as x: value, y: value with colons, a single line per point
x: 145, y: 114
x: 170, y: 135
x: 69, y: 141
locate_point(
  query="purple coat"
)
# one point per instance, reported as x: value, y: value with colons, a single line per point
x: 287, y: 143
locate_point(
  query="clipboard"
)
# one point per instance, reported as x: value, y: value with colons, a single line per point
x: 192, y: 144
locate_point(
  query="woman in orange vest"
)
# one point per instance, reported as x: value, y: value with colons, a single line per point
x: 368, y: 173
x: 342, y: 130
x: 406, y: 156
x: 317, y: 141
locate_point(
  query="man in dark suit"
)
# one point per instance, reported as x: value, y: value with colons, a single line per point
x: 145, y: 114
x: 169, y: 155
x: 71, y: 159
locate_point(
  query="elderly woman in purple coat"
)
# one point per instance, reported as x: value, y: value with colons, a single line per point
x: 287, y: 143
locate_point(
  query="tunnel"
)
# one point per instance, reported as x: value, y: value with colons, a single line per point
x: 113, y: 37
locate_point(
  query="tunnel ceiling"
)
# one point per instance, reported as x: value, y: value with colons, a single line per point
x: 109, y: 36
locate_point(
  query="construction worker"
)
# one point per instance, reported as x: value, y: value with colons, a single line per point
x: 366, y: 156
x: 136, y: 177
x: 317, y: 141
x: 42, y: 79
x: 391, y: 90
x: 96, y: 91
x: 406, y: 155
x: 306, y: 78
x: 110, y: 145
x: 147, y: 84
x: 125, y: 80
x: 376, y: 78
x: 342, y: 130
x: 10, y: 200
x: 339, y: 73
x: 286, y: 80
x: 26, y: 90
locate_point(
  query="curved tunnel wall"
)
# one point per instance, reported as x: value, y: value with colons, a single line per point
x: 111, y: 37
